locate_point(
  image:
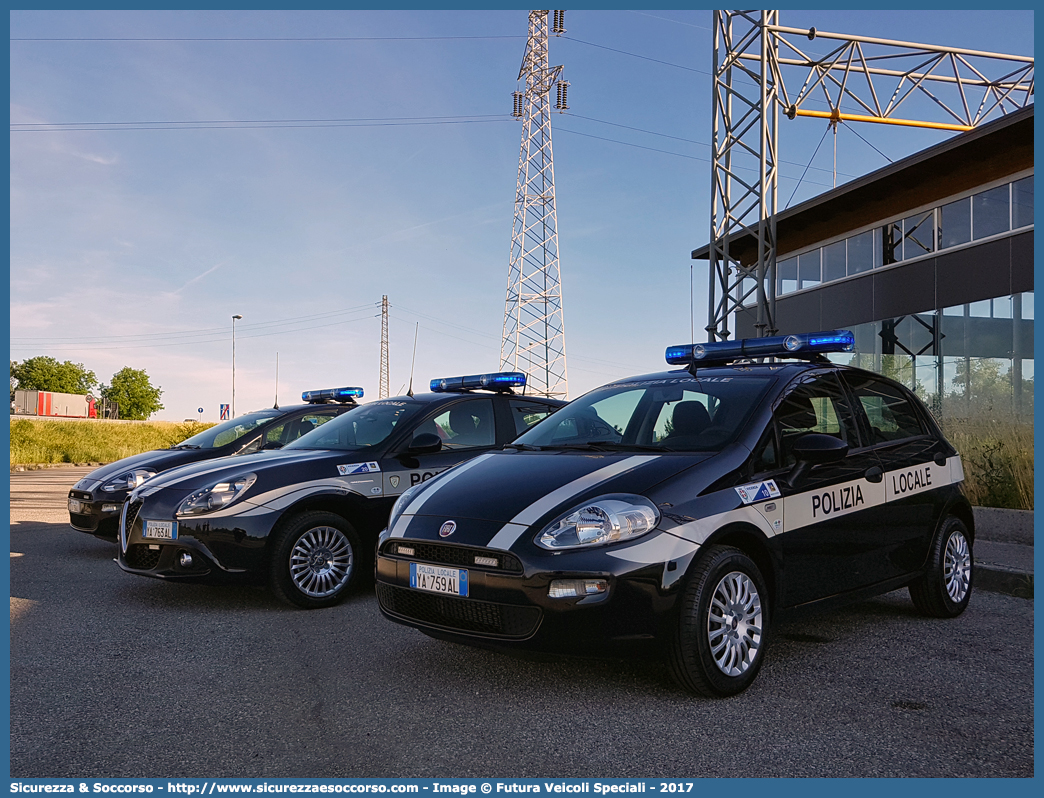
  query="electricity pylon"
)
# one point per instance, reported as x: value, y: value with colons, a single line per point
x: 383, y: 391
x: 886, y: 81
x: 534, y: 334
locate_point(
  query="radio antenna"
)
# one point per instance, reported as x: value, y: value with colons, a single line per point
x: 277, y: 382
x: 414, y: 361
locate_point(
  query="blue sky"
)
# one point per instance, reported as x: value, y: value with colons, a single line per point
x: 134, y: 247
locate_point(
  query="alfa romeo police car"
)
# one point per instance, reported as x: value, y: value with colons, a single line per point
x: 96, y: 500
x: 307, y: 516
x: 687, y: 508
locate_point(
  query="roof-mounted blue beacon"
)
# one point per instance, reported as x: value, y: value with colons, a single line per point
x: 341, y: 395
x: 497, y: 382
x: 805, y: 346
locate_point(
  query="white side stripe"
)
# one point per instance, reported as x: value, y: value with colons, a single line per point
x: 661, y: 548
x: 517, y: 525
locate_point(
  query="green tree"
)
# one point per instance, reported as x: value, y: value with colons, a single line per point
x: 134, y: 393
x: 44, y: 373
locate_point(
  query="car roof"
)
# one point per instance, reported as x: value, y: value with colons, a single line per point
x: 444, y: 397
x: 785, y: 369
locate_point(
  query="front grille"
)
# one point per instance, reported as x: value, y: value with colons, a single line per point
x: 82, y: 521
x: 132, y: 513
x: 453, y: 555
x: 141, y: 556
x: 467, y: 615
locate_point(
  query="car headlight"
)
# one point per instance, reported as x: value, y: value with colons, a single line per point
x: 214, y: 497
x: 404, y: 498
x: 128, y: 480
x: 607, y: 519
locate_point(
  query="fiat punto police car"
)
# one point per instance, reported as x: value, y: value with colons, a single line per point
x: 307, y: 516
x: 688, y: 508
x: 96, y: 500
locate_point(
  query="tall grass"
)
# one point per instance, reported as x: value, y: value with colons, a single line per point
x: 45, y: 442
x: 998, y: 460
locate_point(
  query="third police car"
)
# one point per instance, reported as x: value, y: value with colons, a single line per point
x: 306, y: 517
x: 689, y: 507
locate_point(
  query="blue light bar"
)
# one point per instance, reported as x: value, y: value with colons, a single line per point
x: 337, y: 394
x: 497, y: 381
x: 778, y: 346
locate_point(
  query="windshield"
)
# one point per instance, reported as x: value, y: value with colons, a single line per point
x: 229, y: 432
x: 363, y: 427
x: 681, y: 414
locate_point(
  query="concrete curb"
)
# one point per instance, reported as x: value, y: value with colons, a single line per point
x: 1004, y: 526
x: 995, y: 578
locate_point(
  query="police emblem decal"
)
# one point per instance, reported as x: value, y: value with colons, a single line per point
x: 394, y: 480
x: 447, y: 529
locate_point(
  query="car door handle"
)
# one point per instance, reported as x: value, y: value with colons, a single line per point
x: 874, y: 474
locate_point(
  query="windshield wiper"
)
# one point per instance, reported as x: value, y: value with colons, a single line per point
x: 186, y: 446
x: 645, y: 447
x: 611, y: 446
x: 524, y: 447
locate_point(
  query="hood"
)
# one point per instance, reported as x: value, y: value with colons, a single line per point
x: 195, y: 475
x: 523, y: 489
x: 157, y: 460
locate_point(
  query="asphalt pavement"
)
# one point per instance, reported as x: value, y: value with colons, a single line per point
x: 119, y: 676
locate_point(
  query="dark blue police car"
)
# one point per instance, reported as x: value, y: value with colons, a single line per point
x: 95, y: 501
x: 307, y: 516
x: 688, y: 508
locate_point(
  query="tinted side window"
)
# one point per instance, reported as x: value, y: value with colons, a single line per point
x: 465, y: 424
x: 889, y: 411
x: 817, y: 404
x: 525, y: 414
x: 292, y: 430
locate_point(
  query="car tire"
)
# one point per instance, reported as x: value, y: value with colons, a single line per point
x: 944, y: 590
x: 314, y: 560
x: 716, y: 654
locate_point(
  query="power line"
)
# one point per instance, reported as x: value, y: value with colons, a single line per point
x: 252, y: 38
x: 216, y: 339
x: 206, y: 331
x: 263, y: 121
x: 635, y: 55
x: 679, y: 138
x: 871, y: 145
x: 247, y: 126
x: 806, y: 168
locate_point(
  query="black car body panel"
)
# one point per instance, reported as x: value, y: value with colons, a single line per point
x: 819, y: 533
x: 359, y: 486
x: 97, y: 511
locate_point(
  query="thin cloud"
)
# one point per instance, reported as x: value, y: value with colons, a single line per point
x: 199, y: 277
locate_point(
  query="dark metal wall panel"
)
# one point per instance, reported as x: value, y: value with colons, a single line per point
x: 799, y: 313
x: 905, y: 290
x: 846, y: 304
x: 1022, y: 262
x: 993, y: 269
x: 980, y: 272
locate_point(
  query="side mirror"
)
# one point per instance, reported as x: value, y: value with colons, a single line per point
x: 812, y: 449
x: 425, y: 443
x: 817, y: 448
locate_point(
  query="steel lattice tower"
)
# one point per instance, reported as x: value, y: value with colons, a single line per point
x: 383, y: 391
x: 885, y: 80
x: 534, y: 335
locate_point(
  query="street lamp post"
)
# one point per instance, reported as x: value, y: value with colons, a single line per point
x: 237, y: 316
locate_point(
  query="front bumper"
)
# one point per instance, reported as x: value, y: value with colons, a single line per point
x: 219, y: 551
x: 97, y: 515
x: 508, y: 606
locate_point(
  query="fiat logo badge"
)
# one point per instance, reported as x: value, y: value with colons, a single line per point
x: 447, y: 529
